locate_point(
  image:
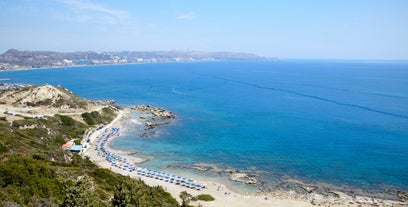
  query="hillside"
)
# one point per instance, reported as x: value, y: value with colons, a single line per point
x: 45, y: 95
x: 46, y: 100
x: 15, y: 59
x: 34, y: 171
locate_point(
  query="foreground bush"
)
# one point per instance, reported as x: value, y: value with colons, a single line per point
x: 205, y: 197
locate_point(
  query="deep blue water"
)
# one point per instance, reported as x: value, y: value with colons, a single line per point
x: 344, y: 123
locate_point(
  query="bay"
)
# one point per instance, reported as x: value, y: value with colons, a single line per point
x: 338, y: 122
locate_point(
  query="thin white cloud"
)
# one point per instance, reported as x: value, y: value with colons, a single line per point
x: 189, y: 15
x: 86, y: 11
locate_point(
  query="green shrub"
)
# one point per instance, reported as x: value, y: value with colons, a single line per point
x: 3, y: 148
x: 45, y: 102
x: 38, y: 157
x: 66, y: 120
x: 205, y: 197
x: 108, y: 111
x: 88, y: 118
x: 93, y: 118
x: 59, y: 140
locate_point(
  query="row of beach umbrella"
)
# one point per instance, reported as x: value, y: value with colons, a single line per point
x: 171, y: 178
x: 122, y: 163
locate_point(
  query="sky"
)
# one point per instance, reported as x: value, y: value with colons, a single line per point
x: 307, y: 29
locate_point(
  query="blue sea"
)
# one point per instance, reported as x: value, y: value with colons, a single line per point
x: 339, y: 122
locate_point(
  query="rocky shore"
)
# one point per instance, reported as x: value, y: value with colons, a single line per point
x: 318, y: 194
x: 153, y: 117
x: 233, y: 174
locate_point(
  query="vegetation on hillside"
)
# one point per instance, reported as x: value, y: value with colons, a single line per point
x: 30, y: 181
x: 42, y: 137
x: 34, y: 171
x: 95, y: 117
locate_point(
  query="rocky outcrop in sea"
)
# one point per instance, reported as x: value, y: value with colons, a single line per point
x: 155, y: 111
x: 153, y: 117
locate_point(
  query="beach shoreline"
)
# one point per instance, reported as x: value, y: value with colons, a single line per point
x: 224, y: 195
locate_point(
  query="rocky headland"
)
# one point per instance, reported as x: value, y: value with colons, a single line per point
x: 46, y: 100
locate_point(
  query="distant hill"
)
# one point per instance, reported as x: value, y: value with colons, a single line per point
x: 16, y: 59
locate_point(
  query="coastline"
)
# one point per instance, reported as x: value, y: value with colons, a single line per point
x: 339, y: 198
x: 224, y: 195
x: 221, y: 199
x: 98, y: 65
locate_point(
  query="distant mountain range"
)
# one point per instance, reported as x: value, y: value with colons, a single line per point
x: 16, y: 59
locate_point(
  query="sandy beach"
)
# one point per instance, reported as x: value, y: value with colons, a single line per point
x: 217, y: 190
x: 224, y: 196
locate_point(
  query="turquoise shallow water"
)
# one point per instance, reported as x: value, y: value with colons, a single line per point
x: 344, y: 123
